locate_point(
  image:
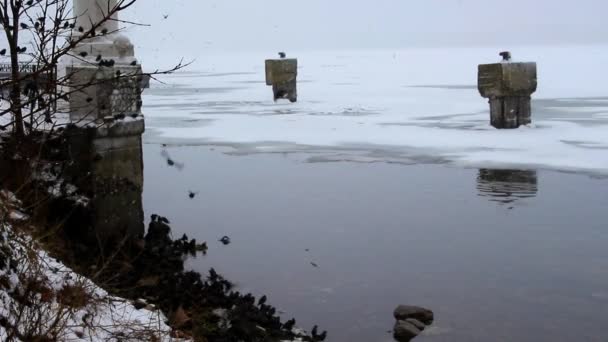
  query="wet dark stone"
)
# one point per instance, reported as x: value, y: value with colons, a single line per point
x: 405, y: 331
x: 140, y: 304
x: 403, y: 312
x: 416, y: 323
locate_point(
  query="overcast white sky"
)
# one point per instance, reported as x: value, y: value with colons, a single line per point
x: 195, y: 26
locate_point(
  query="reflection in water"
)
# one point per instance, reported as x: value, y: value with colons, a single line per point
x: 507, y: 186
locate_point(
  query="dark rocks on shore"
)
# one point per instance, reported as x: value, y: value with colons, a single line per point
x: 411, y: 321
x: 190, y: 299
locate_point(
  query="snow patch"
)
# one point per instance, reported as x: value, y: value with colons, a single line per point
x: 410, y: 100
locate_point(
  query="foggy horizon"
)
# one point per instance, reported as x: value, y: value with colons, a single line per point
x: 190, y: 29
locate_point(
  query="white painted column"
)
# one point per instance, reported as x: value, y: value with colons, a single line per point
x: 108, y: 45
x: 89, y: 12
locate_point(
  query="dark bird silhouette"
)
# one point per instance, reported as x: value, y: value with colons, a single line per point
x: 165, y: 16
x: 506, y: 56
x: 289, y: 324
x: 313, y: 264
x: 83, y: 54
x: 80, y: 29
x: 191, y: 194
x: 213, y: 274
x: 30, y: 2
x: 98, y: 58
x: 316, y: 337
x: 104, y: 31
x: 262, y: 300
x: 170, y: 161
x: 2, y: 52
x: 134, y: 63
x: 282, y: 54
x: 24, y: 26
x: 225, y: 240
x: 66, y: 25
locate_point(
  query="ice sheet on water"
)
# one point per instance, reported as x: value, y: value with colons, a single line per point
x: 414, y: 100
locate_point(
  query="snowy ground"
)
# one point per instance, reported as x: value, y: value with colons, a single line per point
x: 416, y: 105
x: 100, y: 317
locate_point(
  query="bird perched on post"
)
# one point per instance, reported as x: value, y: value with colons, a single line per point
x: 506, y: 56
x: 282, y: 54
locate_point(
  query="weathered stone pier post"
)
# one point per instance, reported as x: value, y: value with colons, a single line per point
x: 508, y: 86
x: 106, y: 121
x: 282, y: 74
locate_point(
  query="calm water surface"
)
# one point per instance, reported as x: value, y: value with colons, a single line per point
x: 498, y: 255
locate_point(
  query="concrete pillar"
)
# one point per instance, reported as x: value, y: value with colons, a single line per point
x: 107, y: 124
x: 107, y: 44
x: 282, y: 74
x: 508, y: 86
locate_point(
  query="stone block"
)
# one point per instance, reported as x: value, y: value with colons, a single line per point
x: 281, y: 71
x: 281, y: 74
x: 507, y: 79
x: 97, y: 92
x: 508, y: 87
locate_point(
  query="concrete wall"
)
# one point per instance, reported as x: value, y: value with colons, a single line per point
x: 108, y: 166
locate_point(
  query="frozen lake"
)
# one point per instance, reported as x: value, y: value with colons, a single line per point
x: 418, y: 105
x: 388, y: 172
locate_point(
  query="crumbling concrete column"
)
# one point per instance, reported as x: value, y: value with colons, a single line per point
x: 105, y: 143
x: 104, y: 89
x: 282, y: 74
x: 508, y: 86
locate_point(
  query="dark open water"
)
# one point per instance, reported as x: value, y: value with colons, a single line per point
x: 498, y: 255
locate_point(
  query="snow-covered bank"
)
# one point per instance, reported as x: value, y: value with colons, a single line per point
x: 417, y: 103
x: 41, y: 297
